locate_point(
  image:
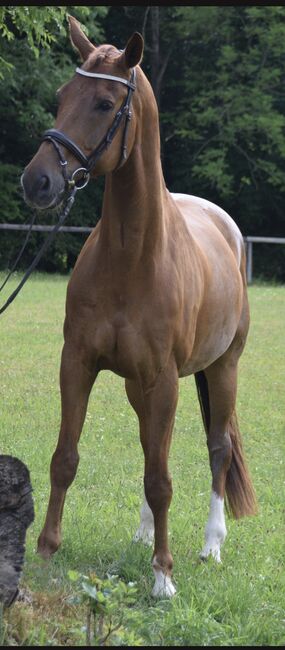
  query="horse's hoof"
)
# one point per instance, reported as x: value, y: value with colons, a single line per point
x: 44, y: 552
x: 163, y: 586
x: 214, y: 551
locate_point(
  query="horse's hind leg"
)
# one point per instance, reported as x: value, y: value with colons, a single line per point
x: 75, y: 383
x: 155, y: 407
x: 221, y: 385
x: 217, y: 387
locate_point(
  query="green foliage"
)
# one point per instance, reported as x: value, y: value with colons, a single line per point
x: 110, y: 619
x: 41, y: 26
x: 230, y: 116
x: 36, y: 24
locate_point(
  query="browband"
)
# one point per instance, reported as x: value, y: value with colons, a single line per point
x: 98, y: 75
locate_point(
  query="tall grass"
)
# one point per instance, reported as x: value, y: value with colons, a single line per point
x: 240, y: 602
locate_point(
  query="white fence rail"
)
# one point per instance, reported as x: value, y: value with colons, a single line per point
x: 249, y: 241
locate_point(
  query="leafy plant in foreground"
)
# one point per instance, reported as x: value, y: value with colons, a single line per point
x: 110, y: 618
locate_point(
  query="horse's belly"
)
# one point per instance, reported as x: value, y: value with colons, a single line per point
x: 207, y: 353
x: 216, y: 324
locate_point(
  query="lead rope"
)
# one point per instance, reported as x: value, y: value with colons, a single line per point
x: 42, y: 250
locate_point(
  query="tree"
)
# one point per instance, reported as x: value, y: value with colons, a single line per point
x: 237, y: 116
x: 223, y: 118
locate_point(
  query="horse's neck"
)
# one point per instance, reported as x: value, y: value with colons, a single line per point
x: 134, y: 200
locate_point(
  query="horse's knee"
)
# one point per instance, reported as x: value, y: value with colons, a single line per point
x: 63, y: 467
x: 158, y: 491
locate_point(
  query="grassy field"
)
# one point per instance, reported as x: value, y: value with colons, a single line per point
x: 241, y: 601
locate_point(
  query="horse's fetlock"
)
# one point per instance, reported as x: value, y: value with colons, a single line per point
x: 163, y: 562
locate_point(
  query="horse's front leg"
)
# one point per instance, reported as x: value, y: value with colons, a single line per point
x: 75, y: 383
x: 156, y: 408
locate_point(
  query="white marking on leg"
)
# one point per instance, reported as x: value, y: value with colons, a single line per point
x: 215, y: 531
x: 163, y: 586
x: 145, y: 532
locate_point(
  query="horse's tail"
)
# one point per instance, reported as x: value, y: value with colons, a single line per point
x: 240, y: 495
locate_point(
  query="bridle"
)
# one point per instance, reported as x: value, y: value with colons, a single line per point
x: 81, y: 176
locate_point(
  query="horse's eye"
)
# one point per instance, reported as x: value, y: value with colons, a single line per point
x: 105, y: 106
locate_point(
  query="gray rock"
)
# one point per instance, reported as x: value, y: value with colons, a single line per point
x: 16, y: 514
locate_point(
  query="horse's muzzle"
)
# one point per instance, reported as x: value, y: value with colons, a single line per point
x: 41, y: 190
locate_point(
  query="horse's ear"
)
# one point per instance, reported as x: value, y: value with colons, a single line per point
x: 78, y: 39
x: 134, y: 50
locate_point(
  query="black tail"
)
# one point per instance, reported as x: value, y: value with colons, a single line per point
x: 240, y: 493
x: 203, y: 395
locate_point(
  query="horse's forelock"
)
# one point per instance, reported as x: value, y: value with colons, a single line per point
x: 103, y: 54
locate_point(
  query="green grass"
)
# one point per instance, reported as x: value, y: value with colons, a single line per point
x: 240, y: 602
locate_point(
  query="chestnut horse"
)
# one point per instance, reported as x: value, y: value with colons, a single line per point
x: 158, y: 292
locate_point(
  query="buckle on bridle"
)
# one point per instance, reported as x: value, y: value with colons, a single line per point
x: 81, y: 182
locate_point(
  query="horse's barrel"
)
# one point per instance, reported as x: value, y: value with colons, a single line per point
x: 16, y: 514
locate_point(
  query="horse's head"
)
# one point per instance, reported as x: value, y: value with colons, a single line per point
x: 92, y: 129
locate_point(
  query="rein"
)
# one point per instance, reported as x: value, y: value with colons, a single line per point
x: 81, y: 176
x: 40, y: 253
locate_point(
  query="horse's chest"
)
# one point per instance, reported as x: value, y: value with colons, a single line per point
x: 118, y: 344
x: 117, y: 330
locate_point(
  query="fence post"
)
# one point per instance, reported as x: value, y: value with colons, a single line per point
x: 249, y: 261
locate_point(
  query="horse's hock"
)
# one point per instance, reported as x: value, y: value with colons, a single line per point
x: 16, y: 515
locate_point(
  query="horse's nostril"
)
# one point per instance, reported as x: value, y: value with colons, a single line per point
x: 40, y: 187
x: 44, y: 184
